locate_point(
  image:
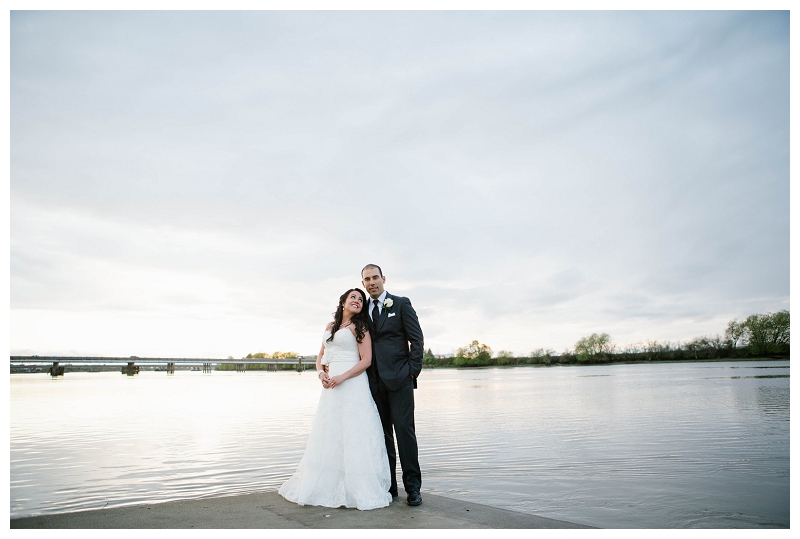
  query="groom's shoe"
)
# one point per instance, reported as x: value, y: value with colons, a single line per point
x: 393, y: 493
x: 414, y: 498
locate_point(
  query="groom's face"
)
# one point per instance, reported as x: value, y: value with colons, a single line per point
x: 373, y: 281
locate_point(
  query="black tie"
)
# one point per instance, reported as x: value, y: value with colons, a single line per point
x: 375, y: 311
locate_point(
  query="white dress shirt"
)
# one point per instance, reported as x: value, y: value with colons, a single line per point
x: 381, y: 299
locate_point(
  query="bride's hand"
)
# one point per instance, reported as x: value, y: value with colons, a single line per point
x: 336, y: 380
x: 323, y: 376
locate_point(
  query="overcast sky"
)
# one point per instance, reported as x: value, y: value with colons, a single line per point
x: 205, y: 184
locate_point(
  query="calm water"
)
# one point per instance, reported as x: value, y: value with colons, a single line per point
x: 650, y: 446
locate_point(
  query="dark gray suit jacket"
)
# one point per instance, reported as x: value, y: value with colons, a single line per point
x: 397, y: 345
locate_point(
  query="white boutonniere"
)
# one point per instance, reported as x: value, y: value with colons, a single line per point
x: 387, y: 303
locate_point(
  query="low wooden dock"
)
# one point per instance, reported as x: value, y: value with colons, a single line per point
x: 131, y: 365
x: 268, y: 510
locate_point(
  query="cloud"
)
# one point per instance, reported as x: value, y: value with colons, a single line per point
x: 524, y: 177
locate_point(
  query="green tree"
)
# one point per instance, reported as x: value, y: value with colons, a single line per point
x: 428, y: 358
x: 714, y: 346
x: 593, y: 347
x: 767, y: 333
x: 654, y: 349
x: 543, y: 355
x: 694, y: 346
x: 757, y: 333
x: 506, y: 357
x: 473, y: 355
x: 734, y: 333
x: 780, y: 329
x: 566, y: 357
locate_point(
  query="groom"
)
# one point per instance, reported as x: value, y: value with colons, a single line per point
x: 396, y: 363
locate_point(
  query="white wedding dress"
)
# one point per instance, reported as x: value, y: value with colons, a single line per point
x: 345, y: 461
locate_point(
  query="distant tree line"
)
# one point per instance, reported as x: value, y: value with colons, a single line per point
x: 262, y: 366
x: 274, y: 355
x: 759, y: 335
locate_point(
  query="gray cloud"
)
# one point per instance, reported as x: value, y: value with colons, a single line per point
x: 565, y: 171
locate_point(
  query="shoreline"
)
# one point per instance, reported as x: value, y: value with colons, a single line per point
x: 604, y: 363
x: 44, y: 369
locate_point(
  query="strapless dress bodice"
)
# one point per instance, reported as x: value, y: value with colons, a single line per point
x: 343, y: 347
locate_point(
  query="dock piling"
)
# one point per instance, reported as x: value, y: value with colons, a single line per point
x: 130, y: 369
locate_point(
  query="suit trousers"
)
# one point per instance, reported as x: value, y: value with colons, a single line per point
x: 396, y: 409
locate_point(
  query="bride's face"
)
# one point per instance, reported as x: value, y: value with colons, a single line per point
x: 354, y: 303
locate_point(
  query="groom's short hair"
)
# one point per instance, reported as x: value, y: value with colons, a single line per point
x: 372, y: 266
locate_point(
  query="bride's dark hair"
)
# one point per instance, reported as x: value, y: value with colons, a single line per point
x: 359, y: 320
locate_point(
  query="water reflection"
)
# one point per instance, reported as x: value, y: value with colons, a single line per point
x: 676, y: 445
x: 774, y: 400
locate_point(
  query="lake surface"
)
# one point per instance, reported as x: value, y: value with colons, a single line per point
x: 680, y: 445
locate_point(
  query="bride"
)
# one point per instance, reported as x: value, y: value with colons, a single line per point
x: 345, y: 462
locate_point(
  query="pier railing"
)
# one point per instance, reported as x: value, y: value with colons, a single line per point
x: 130, y: 365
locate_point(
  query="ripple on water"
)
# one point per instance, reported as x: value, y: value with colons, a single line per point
x: 655, y: 446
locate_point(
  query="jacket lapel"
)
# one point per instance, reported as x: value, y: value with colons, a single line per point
x: 384, y: 313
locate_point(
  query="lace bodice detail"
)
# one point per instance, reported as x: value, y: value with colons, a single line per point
x: 343, y: 347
